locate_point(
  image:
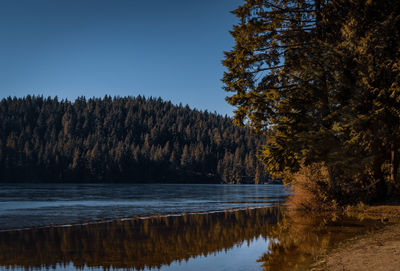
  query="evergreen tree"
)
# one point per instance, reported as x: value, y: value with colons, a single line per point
x: 118, y: 139
x: 320, y: 79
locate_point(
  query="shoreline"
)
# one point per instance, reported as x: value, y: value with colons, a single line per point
x: 378, y: 251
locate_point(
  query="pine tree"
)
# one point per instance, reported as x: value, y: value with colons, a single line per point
x: 185, y: 158
x: 109, y: 139
x: 320, y: 79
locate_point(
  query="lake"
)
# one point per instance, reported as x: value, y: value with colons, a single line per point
x: 161, y: 227
x: 28, y: 205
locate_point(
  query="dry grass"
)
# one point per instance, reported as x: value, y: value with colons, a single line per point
x: 310, y: 187
x: 385, y: 213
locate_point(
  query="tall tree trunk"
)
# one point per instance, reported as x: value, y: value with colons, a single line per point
x: 381, y: 185
x: 332, y: 182
x: 394, y: 166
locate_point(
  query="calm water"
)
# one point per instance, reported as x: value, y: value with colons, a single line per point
x: 199, y: 236
x: 27, y: 205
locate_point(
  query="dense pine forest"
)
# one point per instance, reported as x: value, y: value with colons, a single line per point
x: 122, y: 140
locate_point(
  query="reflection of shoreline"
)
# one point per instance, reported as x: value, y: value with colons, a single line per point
x: 378, y: 250
x: 299, y: 237
x: 294, y: 239
x: 135, y: 243
x: 144, y: 216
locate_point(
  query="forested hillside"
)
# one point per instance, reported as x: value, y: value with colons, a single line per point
x: 122, y: 139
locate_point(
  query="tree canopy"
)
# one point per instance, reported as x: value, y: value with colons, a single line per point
x: 122, y: 140
x: 321, y: 80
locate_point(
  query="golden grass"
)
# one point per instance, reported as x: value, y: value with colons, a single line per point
x: 385, y: 213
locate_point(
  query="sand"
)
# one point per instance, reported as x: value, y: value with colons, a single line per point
x: 379, y: 251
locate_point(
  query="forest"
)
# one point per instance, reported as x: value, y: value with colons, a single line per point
x: 321, y: 81
x: 129, y: 139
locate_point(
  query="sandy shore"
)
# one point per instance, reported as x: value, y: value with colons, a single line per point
x: 375, y: 251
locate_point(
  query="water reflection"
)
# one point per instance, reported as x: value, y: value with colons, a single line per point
x: 35, y: 205
x: 137, y: 243
x: 299, y: 237
x: 284, y: 241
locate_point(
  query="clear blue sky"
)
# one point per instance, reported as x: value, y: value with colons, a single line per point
x: 167, y: 48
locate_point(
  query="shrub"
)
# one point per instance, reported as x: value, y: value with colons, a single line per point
x: 310, y: 187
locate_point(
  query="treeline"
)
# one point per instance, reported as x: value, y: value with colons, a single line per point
x: 122, y: 139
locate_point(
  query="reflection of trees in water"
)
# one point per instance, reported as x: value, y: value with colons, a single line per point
x: 295, y: 238
x: 136, y: 243
x: 299, y: 237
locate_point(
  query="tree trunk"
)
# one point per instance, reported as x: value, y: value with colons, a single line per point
x: 332, y: 182
x: 394, y: 166
x: 381, y: 185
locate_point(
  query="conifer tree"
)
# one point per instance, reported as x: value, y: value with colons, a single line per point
x: 320, y: 79
x: 110, y: 139
x: 277, y: 73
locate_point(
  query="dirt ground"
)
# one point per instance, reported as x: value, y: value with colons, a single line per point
x: 379, y: 251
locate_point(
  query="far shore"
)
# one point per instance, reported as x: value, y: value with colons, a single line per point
x: 378, y: 251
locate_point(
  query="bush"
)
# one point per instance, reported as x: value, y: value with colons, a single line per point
x: 311, y: 189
